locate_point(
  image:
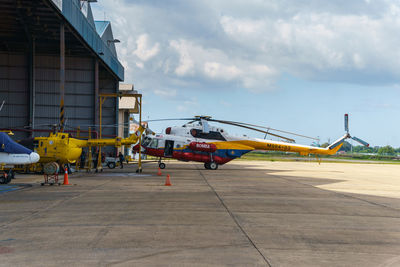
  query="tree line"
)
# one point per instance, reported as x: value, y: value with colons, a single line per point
x: 379, y: 150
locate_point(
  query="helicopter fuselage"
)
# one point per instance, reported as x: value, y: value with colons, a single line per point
x: 192, y: 149
x: 58, y: 147
x: 191, y: 143
x: 61, y: 148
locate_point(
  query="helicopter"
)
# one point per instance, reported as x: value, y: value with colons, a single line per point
x: 200, y: 142
x: 12, y: 153
x: 61, y: 148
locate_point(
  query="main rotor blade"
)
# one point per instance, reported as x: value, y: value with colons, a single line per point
x: 268, y: 128
x: 254, y: 129
x: 243, y: 125
x: 176, y: 119
x: 360, y: 141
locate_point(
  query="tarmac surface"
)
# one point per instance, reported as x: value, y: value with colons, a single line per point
x: 244, y: 214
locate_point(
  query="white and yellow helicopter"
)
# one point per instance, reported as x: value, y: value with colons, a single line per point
x: 198, y: 141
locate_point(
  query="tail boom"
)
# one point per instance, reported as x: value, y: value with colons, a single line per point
x: 268, y: 145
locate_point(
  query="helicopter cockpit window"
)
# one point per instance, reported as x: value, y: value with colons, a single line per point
x: 212, y: 135
x: 146, y: 141
x: 153, y: 143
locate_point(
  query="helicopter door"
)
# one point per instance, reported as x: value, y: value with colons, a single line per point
x: 169, y: 148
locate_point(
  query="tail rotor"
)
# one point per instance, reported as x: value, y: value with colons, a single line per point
x: 346, y: 122
x: 346, y: 128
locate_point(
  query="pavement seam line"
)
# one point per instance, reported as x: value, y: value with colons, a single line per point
x: 234, y: 219
x: 167, y: 252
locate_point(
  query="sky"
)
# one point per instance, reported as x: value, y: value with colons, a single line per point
x: 294, y: 65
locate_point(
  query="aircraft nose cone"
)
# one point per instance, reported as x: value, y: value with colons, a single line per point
x: 34, y: 157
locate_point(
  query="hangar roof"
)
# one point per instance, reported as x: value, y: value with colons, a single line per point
x: 26, y: 20
x: 101, y: 26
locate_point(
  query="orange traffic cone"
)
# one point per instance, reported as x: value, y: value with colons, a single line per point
x: 66, y: 177
x: 168, y: 181
x: 159, y: 172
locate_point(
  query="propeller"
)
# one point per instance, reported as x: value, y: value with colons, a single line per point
x: 346, y: 128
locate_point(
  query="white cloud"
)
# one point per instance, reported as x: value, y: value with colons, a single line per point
x: 140, y: 65
x: 312, y: 43
x: 171, y: 93
x: 186, y: 63
x: 188, y: 105
x: 143, y: 50
x: 217, y: 70
x: 241, y: 26
x: 250, y: 44
x: 213, y: 64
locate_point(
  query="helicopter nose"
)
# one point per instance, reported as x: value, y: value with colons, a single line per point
x: 34, y: 157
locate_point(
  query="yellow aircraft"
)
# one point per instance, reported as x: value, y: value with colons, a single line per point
x: 63, y: 149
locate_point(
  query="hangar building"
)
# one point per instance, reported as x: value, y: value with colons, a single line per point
x: 48, y: 47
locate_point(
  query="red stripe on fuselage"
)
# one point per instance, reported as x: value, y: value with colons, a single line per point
x: 188, y: 156
x: 155, y: 152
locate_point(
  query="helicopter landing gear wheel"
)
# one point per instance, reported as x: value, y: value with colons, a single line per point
x: 111, y: 165
x: 5, y: 179
x: 207, y: 165
x: 213, y: 166
x: 161, y: 165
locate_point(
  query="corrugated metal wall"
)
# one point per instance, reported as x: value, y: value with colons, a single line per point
x: 110, y: 106
x: 14, y: 90
x: 79, y: 92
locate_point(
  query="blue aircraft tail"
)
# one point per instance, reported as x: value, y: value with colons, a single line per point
x: 8, y: 145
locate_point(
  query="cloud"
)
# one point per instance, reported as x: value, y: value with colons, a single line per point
x: 214, y: 65
x: 143, y: 51
x: 219, y: 71
x: 171, y: 93
x: 188, y: 105
x: 186, y: 63
x: 251, y: 44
